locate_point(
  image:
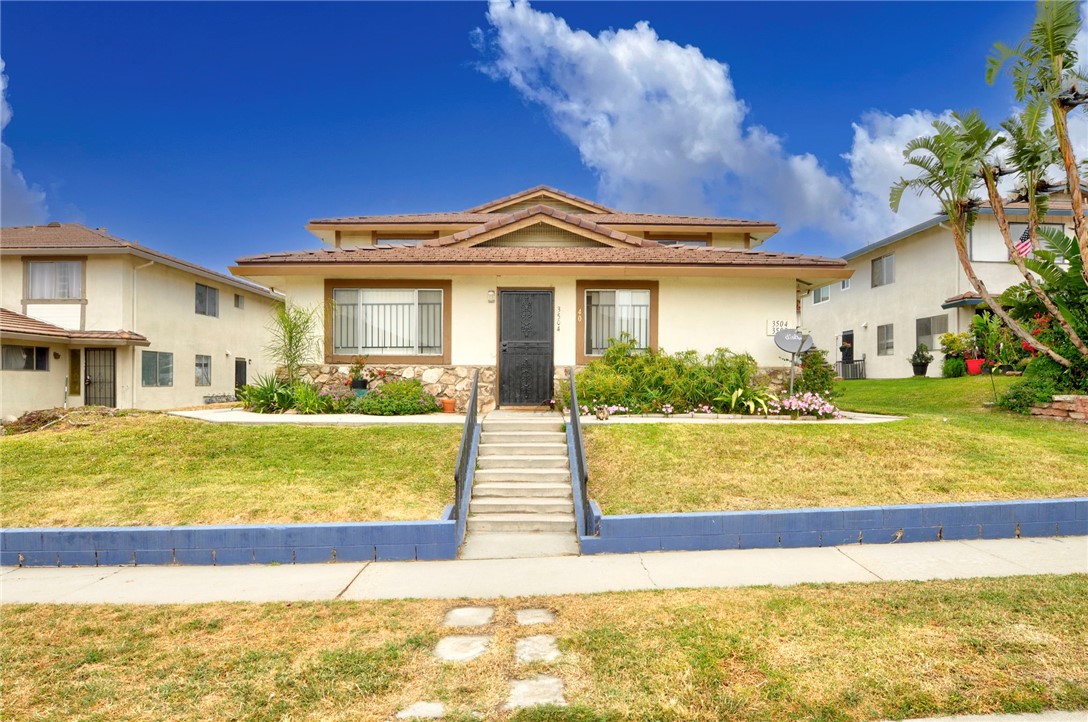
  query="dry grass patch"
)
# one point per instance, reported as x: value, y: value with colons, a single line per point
x: 153, y: 469
x: 833, y: 652
x: 950, y: 449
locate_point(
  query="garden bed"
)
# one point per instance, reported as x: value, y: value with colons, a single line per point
x: 152, y: 469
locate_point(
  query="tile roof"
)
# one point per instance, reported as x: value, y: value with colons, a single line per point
x: 76, y: 237
x: 614, y: 218
x: 16, y: 323
x: 575, y: 219
x: 650, y: 255
x: 540, y: 189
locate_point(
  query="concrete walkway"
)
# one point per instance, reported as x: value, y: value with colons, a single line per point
x: 544, y: 576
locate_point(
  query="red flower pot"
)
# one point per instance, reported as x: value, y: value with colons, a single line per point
x: 974, y: 366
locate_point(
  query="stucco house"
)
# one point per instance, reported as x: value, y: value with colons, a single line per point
x: 525, y: 286
x: 910, y: 288
x: 89, y: 318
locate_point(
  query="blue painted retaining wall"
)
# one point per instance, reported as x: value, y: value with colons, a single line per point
x: 835, y: 527
x: 222, y: 545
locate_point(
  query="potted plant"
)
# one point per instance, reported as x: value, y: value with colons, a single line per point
x: 973, y: 357
x: 448, y: 405
x: 921, y: 359
x: 358, y: 377
x: 845, y: 346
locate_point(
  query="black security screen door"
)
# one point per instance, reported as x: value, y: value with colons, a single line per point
x: 525, y: 348
x: 239, y: 373
x: 847, y: 348
x: 99, y: 384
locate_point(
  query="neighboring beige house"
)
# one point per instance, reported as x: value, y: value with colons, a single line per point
x: 909, y: 288
x: 525, y: 286
x: 89, y: 318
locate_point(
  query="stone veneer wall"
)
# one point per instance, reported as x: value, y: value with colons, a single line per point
x: 1064, y: 407
x: 445, y: 382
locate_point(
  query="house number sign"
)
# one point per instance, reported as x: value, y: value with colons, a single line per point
x: 558, y: 315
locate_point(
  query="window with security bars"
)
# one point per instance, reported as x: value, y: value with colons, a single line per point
x: 207, y: 300
x: 885, y: 340
x: 54, y: 280
x: 24, y: 358
x: 928, y: 330
x: 157, y: 368
x: 203, y: 370
x: 883, y: 270
x: 612, y: 313
x: 387, y: 321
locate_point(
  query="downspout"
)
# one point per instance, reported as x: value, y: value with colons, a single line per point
x: 132, y: 327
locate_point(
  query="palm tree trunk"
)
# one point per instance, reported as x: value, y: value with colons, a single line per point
x: 1003, y: 225
x: 1072, y: 174
x: 959, y: 236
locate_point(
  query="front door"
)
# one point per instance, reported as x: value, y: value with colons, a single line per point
x: 525, y: 348
x: 239, y: 373
x: 100, y: 387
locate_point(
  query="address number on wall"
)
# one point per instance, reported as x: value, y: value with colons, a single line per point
x: 774, y: 326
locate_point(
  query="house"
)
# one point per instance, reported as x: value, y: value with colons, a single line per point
x: 525, y: 286
x: 909, y: 288
x: 89, y: 318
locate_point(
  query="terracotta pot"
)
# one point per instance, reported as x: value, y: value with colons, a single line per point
x: 448, y: 405
x: 974, y: 366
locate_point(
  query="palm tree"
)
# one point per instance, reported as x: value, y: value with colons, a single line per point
x: 950, y: 166
x: 1044, y: 71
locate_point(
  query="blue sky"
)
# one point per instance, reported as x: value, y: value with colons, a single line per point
x: 215, y: 130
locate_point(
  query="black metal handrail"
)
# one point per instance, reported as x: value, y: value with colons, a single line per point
x: 850, y: 370
x: 464, y: 454
x: 579, y: 471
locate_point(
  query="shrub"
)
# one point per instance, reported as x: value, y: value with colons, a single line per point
x: 293, y: 338
x: 399, y: 397
x: 306, y: 398
x: 817, y: 375
x: 1031, y: 390
x: 953, y: 367
x: 269, y: 395
x: 805, y: 404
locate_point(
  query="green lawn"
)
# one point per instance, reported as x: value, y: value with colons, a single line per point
x: 831, y: 652
x: 153, y: 469
x: 950, y: 448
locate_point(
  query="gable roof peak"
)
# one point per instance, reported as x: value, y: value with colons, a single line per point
x: 499, y: 203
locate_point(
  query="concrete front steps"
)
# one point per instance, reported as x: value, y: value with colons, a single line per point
x: 521, y: 497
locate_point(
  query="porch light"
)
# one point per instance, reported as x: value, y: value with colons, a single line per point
x: 491, y: 296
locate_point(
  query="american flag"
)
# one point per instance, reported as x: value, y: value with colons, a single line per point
x: 1023, y: 246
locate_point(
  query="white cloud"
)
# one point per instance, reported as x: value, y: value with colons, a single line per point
x: 20, y: 203
x: 663, y: 129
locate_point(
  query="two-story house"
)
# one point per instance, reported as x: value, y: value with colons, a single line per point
x: 524, y: 286
x: 909, y: 288
x: 89, y: 318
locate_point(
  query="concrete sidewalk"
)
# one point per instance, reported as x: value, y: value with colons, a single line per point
x: 544, y: 576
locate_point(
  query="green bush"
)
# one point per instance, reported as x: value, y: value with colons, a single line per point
x: 953, y: 367
x: 1031, y: 390
x: 640, y: 381
x: 817, y: 375
x: 269, y: 395
x: 399, y: 397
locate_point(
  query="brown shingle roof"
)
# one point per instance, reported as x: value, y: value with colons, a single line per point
x: 651, y: 255
x: 16, y: 323
x: 77, y: 237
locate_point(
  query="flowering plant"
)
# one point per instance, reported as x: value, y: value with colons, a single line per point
x: 806, y: 404
x: 666, y: 409
x: 357, y: 370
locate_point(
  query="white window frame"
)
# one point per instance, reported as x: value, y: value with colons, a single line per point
x: 414, y: 334
x: 885, y: 346
x: 239, y: 301
x: 203, y: 370
x: 57, y: 291
x: 159, y: 357
x: 37, y: 356
x: 932, y: 336
x: 816, y: 295
x: 844, y: 285
x: 884, y: 264
x: 588, y: 350
x: 210, y: 301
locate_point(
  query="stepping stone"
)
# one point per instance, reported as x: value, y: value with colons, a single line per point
x: 469, y: 617
x: 541, y: 648
x: 462, y: 649
x: 423, y: 710
x: 538, y: 690
x: 527, y: 617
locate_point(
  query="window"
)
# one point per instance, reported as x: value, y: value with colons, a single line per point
x: 821, y: 295
x: 158, y: 368
x: 239, y: 301
x: 75, y: 375
x: 845, y: 285
x: 928, y: 330
x: 203, y: 370
x: 1018, y: 232
x: 884, y: 270
x: 25, y: 358
x: 387, y: 321
x: 613, y: 313
x: 885, y: 340
x: 54, y: 280
x: 207, y: 300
